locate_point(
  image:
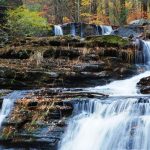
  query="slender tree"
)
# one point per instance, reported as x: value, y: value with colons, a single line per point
x: 144, y: 9
x: 123, y: 12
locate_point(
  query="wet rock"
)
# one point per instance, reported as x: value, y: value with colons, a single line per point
x: 12, y: 54
x: 62, y: 123
x: 89, y: 67
x: 143, y: 100
x: 32, y: 104
x: 129, y: 31
x: 81, y: 29
x: 62, y: 53
x: 140, y: 22
x: 90, y: 57
x: 144, y: 85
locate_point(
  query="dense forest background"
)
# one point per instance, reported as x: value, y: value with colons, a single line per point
x: 114, y: 12
x: 36, y: 17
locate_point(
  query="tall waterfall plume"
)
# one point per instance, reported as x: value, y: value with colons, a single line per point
x: 58, y: 30
x: 8, y: 104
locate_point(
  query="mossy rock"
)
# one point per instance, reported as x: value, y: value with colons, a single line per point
x: 107, y: 40
x: 60, y: 40
x: 67, y: 38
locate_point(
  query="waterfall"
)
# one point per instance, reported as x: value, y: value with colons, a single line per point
x: 143, y: 52
x: 120, y: 122
x: 116, y: 124
x: 106, y: 30
x: 73, y: 29
x: 8, y: 104
x: 58, y: 30
x: 146, y: 52
x: 81, y: 32
x: 125, y: 87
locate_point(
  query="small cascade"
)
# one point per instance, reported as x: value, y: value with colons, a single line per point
x: 106, y: 30
x: 113, y: 124
x: 143, y: 53
x: 97, y: 30
x: 146, y: 52
x: 73, y: 29
x: 58, y: 30
x: 121, y: 87
x: 81, y: 32
x: 8, y: 104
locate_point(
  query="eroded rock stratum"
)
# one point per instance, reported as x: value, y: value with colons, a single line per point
x: 63, y: 61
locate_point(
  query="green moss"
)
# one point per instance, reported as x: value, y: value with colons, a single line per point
x: 68, y: 38
x: 107, y: 40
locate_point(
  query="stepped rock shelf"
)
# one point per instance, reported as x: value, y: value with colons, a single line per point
x: 62, y: 61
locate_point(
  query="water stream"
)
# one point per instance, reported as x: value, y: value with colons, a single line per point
x: 106, y: 30
x: 120, y: 122
x: 8, y: 104
x: 58, y: 30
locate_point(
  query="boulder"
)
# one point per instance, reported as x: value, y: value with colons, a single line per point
x: 131, y: 31
x: 140, y: 22
x: 144, y: 85
x: 143, y: 100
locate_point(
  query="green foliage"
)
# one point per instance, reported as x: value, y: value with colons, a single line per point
x: 23, y: 22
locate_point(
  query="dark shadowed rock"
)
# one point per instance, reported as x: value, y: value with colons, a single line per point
x: 144, y: 85
x: 143, y: 100
x: 89, y: 67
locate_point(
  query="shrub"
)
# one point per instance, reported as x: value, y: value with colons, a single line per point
x: 23, y: 22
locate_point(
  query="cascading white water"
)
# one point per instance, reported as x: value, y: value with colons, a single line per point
x: 106, y: 30
x: 8, y: 104
x: 58, y: 30
x: 116, y: 123
x: 146, y: 47
x: 122, y: 87
x: 73, y: 29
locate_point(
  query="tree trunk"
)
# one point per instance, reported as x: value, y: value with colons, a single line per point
x: 107, y: 10
x: 144, y: 9
x: 94, y: 6
x: 58, y: 11
x: 123, y: 13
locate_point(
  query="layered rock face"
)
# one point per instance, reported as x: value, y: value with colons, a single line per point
x: 65, y: 62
